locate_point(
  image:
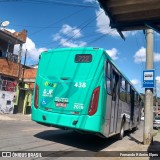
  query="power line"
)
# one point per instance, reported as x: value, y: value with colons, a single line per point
x: 32, y: 26
x: 88, y: 35
x: 65, y: 3
x: 51, y: 2
x: 100, y: 37
x: 81, y: 26
x: 88, y: 22
x: 68, y: 16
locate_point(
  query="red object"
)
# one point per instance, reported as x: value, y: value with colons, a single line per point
x: 14, y: 83
x: 36, y: 96
x: 94, y: 102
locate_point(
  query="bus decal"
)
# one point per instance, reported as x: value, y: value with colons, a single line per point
x: 78, y: 106
x: 50, y: 84
x: 80, y: 85
x: 58, y: 99
x: 47, y: 93
x: 44, y: 102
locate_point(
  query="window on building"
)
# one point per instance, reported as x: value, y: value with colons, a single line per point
x: 0, y: 53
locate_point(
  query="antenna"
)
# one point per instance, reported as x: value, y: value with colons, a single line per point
x: 4, y: 24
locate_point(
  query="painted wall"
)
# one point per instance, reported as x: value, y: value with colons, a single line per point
x: 27, y: 102
x: 7, y: 100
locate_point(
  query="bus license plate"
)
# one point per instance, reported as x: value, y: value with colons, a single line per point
x: 61, y: 104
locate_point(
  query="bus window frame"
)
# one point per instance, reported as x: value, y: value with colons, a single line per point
x: 128, y: 93
x: 108, y: 77
x: 123, y: 88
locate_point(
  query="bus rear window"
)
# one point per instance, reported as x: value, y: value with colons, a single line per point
x: 83, y: 58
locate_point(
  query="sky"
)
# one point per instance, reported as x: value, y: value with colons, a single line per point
x: 54, y: 24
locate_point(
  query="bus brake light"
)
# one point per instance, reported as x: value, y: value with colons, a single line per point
x: 94, y: 102
x: 36, y: 96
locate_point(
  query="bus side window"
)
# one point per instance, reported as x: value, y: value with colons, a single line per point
x: 122, y: 90
x: 108, y: 78
x: 135, y: 99
x: 108, y: 70
x: 128, y: 93
x: 138, y: 100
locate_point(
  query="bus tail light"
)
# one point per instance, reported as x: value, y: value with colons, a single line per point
x: 36, y: 96
x: 94, y: 102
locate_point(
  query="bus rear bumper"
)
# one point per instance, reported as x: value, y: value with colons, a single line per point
x: 77, y: 122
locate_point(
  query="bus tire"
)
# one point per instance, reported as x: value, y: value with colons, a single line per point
x: 121, y: 134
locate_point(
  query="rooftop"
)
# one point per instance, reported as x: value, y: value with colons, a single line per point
x: 13, y: 38
x: 127, y: 15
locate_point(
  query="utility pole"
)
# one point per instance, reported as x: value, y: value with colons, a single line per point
x: 19, y: 61
x: 24, y: 66
x: 148, y: 110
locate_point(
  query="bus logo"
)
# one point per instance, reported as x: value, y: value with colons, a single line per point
x: 6, y: 154
x: 50, y: 84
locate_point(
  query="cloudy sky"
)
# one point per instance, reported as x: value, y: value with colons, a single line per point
x: 54, y: 24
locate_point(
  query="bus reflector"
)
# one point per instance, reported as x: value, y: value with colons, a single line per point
x: 36, y: 97
x: 94, y: 102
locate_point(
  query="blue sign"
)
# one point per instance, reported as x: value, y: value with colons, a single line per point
x: 148, y: 79
x: 44, y: 102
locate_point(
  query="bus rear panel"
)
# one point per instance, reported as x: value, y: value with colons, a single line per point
x: 69, y: 89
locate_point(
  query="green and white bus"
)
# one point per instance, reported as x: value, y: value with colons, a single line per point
x: 83, y: 90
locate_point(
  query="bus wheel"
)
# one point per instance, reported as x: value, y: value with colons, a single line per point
x: 121, y: 134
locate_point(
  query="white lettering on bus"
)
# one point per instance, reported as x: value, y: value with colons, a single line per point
x: 80, y: 85
x: 78, y: 106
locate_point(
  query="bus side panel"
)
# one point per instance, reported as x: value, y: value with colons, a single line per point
x: 120, y: 115
x: 123, y: 109
x: 127, y: 113
x: 108, y: 113
x: 137, y: 115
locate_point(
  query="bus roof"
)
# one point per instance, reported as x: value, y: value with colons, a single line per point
x: 75, y: 48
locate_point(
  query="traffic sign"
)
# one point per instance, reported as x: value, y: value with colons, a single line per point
x: 148, y: 79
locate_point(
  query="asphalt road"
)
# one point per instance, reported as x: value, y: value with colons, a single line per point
x: 18, y: 134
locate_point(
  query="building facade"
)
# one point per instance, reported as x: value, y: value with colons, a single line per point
x: 26, y: 90
x: 10, y: 68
